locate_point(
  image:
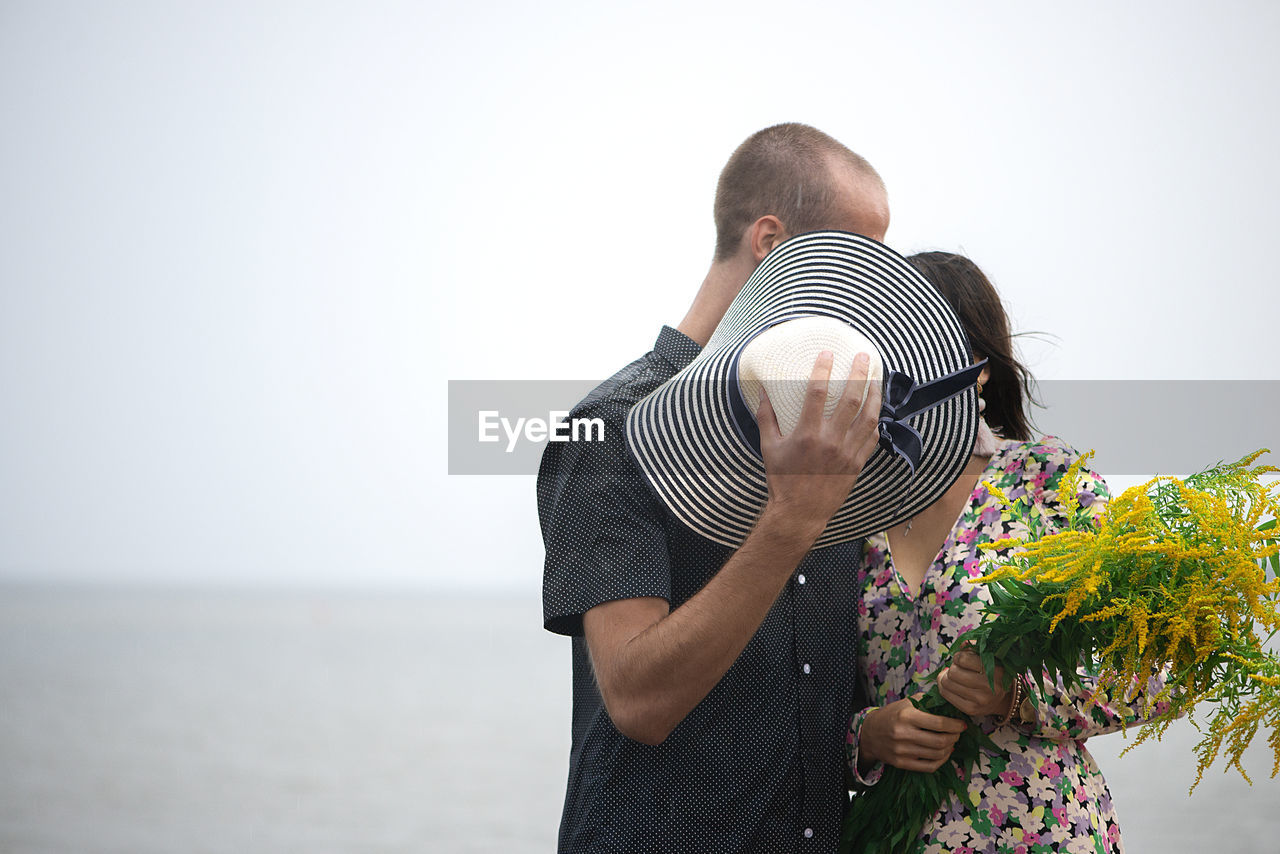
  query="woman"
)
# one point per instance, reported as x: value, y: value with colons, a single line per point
x: 1043, y: 791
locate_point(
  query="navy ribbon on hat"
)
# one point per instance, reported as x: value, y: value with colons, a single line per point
x: 904, y: 399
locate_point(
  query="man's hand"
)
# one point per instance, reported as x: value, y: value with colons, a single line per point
x: 812, y: 470
x: 901, y: 735
x: 964, y: 685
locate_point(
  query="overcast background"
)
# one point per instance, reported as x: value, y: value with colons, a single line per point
x: 246, y: 245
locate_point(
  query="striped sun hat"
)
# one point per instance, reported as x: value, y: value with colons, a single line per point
x: 695, y: 437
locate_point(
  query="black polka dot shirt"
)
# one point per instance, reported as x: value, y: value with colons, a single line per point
x: 758, y: 765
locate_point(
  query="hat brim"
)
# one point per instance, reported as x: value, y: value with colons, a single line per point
x: 682, y: 435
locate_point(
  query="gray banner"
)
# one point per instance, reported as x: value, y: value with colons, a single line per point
x: 1136, y: 427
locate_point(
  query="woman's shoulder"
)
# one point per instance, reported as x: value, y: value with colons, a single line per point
x: 1035, y: 467
x: 1046, y: 449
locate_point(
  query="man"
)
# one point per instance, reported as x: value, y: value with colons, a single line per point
x: 712, y: 686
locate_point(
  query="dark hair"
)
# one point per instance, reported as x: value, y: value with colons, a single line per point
x: 1008, y: 391
x: 784, y: 170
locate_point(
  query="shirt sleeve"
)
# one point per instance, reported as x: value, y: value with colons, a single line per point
x: 852, y: 745
x: 601, y: 525
x: 1083, y: 711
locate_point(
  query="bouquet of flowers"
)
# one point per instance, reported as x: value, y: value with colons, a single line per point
x: 1172, y: 578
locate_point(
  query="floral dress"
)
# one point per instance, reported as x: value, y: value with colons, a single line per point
x: 1044, y: 791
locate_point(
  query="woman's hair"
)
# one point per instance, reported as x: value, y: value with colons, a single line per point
x: 1008, y: 390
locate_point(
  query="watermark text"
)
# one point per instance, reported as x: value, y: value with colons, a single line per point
x: 557, y: 427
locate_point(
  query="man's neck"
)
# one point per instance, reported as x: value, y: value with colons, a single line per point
x: 723, y: 281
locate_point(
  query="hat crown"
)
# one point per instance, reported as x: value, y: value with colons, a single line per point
x: 780, y: 361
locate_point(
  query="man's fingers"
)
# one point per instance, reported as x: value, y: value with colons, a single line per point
x: 863, y: 428
x: 871, y: 406
x: 851, y: 401
x: 766, y: 418
x: 815, y: 398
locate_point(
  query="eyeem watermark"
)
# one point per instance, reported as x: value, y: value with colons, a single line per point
x: 1137, y: 427
x: 503, y: 426
x: 558, y: 427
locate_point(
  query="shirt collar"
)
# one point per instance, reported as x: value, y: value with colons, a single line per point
x: 675, y: 348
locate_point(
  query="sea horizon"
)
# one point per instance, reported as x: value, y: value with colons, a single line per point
x: 233, y: 718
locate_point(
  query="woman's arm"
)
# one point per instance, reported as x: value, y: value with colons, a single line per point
x: 1081, y: 711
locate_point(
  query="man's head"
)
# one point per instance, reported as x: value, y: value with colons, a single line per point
x: 804, y: 180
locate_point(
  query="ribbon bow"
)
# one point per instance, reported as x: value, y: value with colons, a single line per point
x: 904, y: 399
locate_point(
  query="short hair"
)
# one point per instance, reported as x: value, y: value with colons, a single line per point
x: 784, y: 170
x: 1009, y: 390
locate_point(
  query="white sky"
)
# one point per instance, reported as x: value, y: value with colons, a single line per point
x: 245, y: 245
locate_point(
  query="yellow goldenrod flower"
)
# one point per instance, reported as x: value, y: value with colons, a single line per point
x: 998, y: 494
x: 1169, y: 575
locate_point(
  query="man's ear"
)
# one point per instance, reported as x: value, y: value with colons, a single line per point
x: 764, y: 234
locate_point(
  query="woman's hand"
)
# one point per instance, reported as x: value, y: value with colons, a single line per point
x: 901, y: 735
x: 964, y: 685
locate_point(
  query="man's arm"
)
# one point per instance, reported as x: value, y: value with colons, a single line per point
x: 654, y: 665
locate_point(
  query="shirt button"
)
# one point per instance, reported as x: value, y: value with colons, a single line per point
x: 806, y: 668
x: 800, y: 578
x: 808, y: 833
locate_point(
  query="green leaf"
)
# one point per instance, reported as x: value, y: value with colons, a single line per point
x: 988, y: 659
